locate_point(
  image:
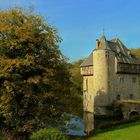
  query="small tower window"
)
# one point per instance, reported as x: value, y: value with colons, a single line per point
x: 107, y: 54
x: 118, y: 97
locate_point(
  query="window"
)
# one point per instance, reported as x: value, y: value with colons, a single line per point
x: 83, y: 68
x: 121, y: 79
x: 120, y: 55
x: 107, y: 54
x: 85, y: 96
x: 134, y: 79
x: 118, y: 97
x: 131, y: 96
x: 87, y: 85
x: 90, y: 97
x: 87, y: 68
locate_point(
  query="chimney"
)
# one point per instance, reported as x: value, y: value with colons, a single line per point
x: 97, y: 43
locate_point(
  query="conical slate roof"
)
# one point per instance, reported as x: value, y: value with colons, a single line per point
x: 103, y: 43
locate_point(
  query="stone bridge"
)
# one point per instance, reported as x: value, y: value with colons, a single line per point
x: 129, y: 108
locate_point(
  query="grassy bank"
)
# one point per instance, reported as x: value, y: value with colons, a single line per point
x: 1, y: 137
x: 128, y: 131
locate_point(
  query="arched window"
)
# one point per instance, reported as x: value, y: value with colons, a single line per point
x: 118, y: 97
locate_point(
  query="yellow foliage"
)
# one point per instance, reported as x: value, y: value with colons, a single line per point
x: 35, y: 79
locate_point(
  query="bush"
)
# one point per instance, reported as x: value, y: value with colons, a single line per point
x: 1, y: 137
x: 48, y: 134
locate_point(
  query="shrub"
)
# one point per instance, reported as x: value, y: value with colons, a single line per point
x: 48, y: 134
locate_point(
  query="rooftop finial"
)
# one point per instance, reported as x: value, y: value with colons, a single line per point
x: 103, y: 30
x: 103, y: 38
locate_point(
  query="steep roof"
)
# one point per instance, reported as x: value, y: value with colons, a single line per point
x: 103, y: 43
x: 88, y: 61
x: 122, y: 53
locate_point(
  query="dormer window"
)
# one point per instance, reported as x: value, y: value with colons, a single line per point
x: 120, y: 54
x: 129, y: 54
x: 118, y: 50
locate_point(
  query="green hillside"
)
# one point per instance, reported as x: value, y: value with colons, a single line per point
x: 136, y: 52
x: 124, y: 132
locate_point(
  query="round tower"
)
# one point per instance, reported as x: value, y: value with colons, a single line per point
x: 103, y: 65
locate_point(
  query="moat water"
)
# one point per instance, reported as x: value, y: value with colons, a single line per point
x: 80, y: 127
x: 77, y: 127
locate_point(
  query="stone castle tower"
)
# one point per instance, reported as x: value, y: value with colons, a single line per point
x: 110, y: 73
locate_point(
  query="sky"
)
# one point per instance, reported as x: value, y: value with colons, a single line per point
x: 81, y: 22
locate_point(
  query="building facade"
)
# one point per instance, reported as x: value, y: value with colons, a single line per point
x: 110, y: 73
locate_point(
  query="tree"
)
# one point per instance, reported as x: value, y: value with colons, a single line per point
x: 33, y: 73
x: 75, y: 97
x: 136, y: 52
x: 76, y: 77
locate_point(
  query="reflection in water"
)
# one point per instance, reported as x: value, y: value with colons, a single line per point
x: 88, y: 122
x: 77, y: 127
x: 74, y: 125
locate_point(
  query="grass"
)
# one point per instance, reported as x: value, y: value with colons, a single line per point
x: 130, y: 131
x: 1, y: 137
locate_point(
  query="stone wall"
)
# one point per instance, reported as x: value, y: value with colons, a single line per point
x: 104, y: 84
x: 88, y: 97
x: 108, y: 84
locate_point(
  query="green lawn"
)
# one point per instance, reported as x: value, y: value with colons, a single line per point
x: 1, y: 137
x: 129, y: 131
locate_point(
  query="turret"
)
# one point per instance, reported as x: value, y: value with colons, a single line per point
x: 102, y: 61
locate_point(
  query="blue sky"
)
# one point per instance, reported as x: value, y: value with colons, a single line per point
x: 81, y: 22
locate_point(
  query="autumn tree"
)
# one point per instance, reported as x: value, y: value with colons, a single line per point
x: 33, y: 73
x: 77, y: 79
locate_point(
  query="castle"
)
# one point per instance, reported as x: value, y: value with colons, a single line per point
x: 110, y: 73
